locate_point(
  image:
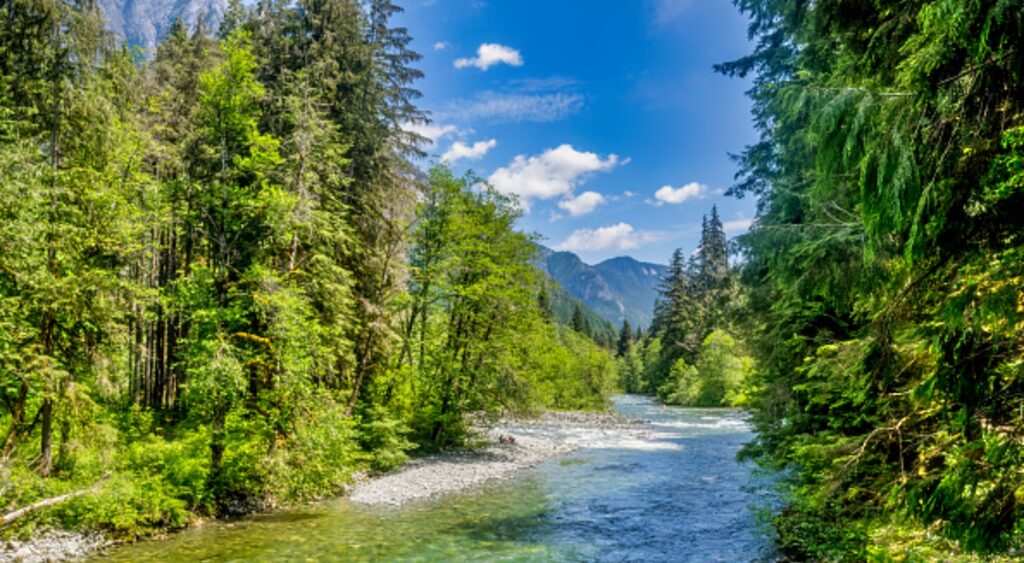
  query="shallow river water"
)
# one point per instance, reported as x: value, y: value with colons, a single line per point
x: 680, y: 496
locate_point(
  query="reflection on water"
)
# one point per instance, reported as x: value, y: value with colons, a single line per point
x: 681, y: 498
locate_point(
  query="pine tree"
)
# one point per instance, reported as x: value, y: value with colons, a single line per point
x: 714, y: 252
x: 625, y: 339
x: 579, y: 323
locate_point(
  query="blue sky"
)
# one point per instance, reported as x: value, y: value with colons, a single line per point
x: 604, y: 117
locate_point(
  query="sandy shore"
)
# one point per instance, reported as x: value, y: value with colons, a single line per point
x: 515, y: 445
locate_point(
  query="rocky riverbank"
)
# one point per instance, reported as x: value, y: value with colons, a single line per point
x: 515, y: 445
x: 54, y: 545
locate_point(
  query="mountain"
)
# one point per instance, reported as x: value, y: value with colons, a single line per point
x: 617, y: 289
x: 144, y: 22
x: 563, y: 307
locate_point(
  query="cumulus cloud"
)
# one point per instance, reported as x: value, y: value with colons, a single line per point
x: 461, y: 150
x: 582, y: 204
x: 621, y: 236
x: 440, y: 45
x: 668, y: 194
x: 490, y: 54
x: 553, y: 173
x: 431, y: 131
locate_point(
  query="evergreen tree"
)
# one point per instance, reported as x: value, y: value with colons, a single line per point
x: 713, y: 252
x: 579, y: 324
x: 882, y: 276
x: 625, y: 339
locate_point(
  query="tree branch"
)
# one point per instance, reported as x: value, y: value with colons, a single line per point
x: 6, y: 519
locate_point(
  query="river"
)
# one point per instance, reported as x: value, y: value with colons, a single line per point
x: 680, y: 496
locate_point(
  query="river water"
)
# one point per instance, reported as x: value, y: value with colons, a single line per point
x: 680, y: 496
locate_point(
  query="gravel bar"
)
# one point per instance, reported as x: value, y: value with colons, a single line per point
x: 515, y: 445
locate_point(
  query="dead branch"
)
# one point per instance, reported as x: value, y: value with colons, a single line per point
x: 6, y: 519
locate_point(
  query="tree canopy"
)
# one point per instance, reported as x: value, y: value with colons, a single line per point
x: 883, y: 272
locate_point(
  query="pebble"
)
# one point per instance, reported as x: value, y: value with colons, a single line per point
x: 55, y: 545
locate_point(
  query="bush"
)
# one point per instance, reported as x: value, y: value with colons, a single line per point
x: 717, y: 380
x: 128, y: 505
x: 318, y: 459
x: 383, y: 437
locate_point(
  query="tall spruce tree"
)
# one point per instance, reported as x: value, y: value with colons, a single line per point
x: 625, y: 339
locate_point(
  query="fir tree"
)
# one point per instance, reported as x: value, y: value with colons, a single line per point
x: 625, y: 339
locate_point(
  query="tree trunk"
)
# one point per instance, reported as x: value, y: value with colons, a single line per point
x: 16, y: 417
x: 46, y: 440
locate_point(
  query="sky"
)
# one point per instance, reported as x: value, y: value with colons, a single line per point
x: 605, y: 117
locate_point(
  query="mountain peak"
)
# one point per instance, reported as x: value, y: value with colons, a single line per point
x: 619, y: 289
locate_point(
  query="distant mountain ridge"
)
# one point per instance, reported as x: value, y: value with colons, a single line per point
x: 143, y: 23
x: 618, y: 289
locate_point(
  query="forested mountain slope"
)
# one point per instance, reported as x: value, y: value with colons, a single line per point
x: 618, y: 289
x: 570, y: 311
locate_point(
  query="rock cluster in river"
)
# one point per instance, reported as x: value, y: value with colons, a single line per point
x: 515, y: 444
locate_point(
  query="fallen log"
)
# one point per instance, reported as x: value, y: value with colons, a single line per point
x: 6, y: 519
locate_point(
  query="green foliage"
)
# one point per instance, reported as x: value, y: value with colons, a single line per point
x: 716, y: 380
x: 221, y: 282
x: 562, y: 307
x: 631, y: 369
x: 883, y: 275
x: 475, y: 333
x: 698, y: 297
x: 384, y: 437
x: 327, y: 447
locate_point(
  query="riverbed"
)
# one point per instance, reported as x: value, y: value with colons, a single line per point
x: 677, y: 495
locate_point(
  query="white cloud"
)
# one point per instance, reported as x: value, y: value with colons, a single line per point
x: 628, y: 194
x: 668, y: 194
x: 582, y: 204
x: 621, y: 236
x: 433, y: 132
x: 737, y: 226
x: 461, y: 150
x: 553, y: 173
x: 440, y: 45
x: 490, y: 54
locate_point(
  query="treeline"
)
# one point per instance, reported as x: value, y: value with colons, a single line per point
x: 885, y: 274
x: 690, y: 356
x: 222, y: 279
